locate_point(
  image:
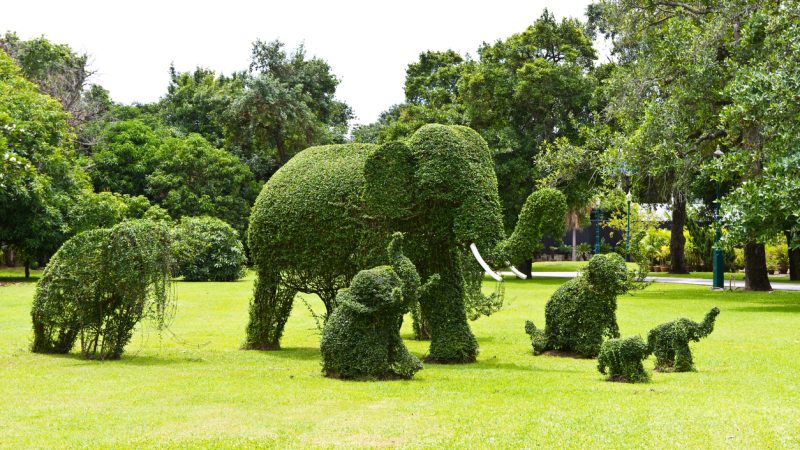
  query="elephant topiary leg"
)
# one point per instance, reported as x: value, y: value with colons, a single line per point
x: 683, y: 357
x: 443, y: 305
x: 269, y: 310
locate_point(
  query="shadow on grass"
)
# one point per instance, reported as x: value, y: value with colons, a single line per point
x: 297, y: 353
x: 495, y: 364
x: 6, y: 280
x: 127, y: 359
x: 770, y: 307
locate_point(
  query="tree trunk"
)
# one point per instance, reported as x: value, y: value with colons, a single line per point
x: 574, y: 244
x: 794, y: 259
x: 526, y: 267
x: 677, y: 241
x: 755, y: 268
x: 9, y: 256
x: 27, y: 269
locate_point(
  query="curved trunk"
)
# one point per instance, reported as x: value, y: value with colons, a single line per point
x: 677, y: 242
x: 543, y: 213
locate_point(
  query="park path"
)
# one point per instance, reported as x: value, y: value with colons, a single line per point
x: 776, y: 285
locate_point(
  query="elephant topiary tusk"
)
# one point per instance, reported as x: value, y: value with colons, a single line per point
x: 483, y: 264
x: 519, y: 274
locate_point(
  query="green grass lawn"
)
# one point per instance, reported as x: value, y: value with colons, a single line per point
x: 197, y: 389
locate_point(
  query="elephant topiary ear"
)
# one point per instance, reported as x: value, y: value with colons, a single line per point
x: 389, y: 174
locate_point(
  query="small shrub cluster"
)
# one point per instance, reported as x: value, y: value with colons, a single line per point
x: 99, y: 285
x: 669, y: 342
x: 207, y: 249
x: 622, y: 359
x: 361, y: 339
x: 583, y: 310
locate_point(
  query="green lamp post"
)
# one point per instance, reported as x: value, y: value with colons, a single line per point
x: 628, y: 196
x: 718, y: 259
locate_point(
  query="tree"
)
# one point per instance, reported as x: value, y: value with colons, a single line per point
x: 43, y: 177
x: 125, y: 155
x: 192, y: 177
x: 286, y: 105
x: 60, y: 73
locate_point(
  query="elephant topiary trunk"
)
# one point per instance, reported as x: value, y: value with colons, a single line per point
x: 331, y: 211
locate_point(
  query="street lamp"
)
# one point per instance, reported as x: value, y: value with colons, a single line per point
x: 718, y: 260
x: 598, y: 216
x: 628, y: 196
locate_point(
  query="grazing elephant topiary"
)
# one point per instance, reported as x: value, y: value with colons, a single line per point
x: 361, y: 339
x: 669, y: 342
x: 99, y: 285
x: 583, y: 310
x: 331, y: 210
x: 623, y: 359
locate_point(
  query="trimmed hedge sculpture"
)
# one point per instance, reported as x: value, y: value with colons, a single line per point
x: 207, y: 249
x: 99, y: 285
x: 583, y: 310
x: 669, y: 342
x: 361, y: 339
x: 331, y: 210
x: 622, y: 359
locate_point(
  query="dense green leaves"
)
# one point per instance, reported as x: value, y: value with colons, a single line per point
x: 622, y: 359
x: 669, y: 342
x: 207, y: 249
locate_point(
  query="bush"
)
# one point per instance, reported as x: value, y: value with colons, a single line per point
x: 99, y: 285
x: 670, y: 341
x: 583, y: 309
x: 206, y: 248
x: 623, y: 359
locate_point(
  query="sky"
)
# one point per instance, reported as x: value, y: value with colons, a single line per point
x: 367, y: 43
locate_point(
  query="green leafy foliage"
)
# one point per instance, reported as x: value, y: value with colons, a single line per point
x: 361, y: 338
x: 622, y: 359
x: 669, y: 342
x: 207, y: 249
x: 99, y: 285
x: 330, y: 211
x: 41, y: 177
x: 583, y: 310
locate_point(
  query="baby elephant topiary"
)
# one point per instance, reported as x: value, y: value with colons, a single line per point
x: 361, y: 339
x: 583, y: 310
x: 623, y: 359
x: 669, y: 342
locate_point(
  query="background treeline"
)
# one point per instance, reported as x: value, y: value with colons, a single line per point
x: 684, y: 79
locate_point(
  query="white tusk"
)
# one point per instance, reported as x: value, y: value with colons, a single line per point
x: 483, y: 264
x: 516, y: 272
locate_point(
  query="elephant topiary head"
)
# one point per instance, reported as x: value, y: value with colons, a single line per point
x: 441, y: 184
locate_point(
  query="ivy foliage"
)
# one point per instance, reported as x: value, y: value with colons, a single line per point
x: 99, y: 285
x: 669, y: 342
x: 207, y: 249
x: 622, y: 359
x: 583, y: 310
x: 361, y: 339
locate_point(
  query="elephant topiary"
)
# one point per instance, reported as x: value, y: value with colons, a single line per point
x: 623, y: 359
x: 361, y: 338
x: 99, y: 285
x: 331, y: 210
x: 583, y: 310
x: 669, y: 342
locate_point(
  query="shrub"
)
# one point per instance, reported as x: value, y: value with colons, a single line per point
x: 361, y: 338
x: 206, y: 248
x: 99, y: 285
x: 669, y: 342
x: 583, y: 309
x: 623, y: 359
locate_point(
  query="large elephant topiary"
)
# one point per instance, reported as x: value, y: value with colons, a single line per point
x: 331, y: 210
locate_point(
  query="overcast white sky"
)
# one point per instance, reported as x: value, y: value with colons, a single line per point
x: 367, y: 43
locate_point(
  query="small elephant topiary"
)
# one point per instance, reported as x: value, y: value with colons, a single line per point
x: 622, y: 359
x: 669, y: 342
x: 583, y: 310
x: 361, y: 339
